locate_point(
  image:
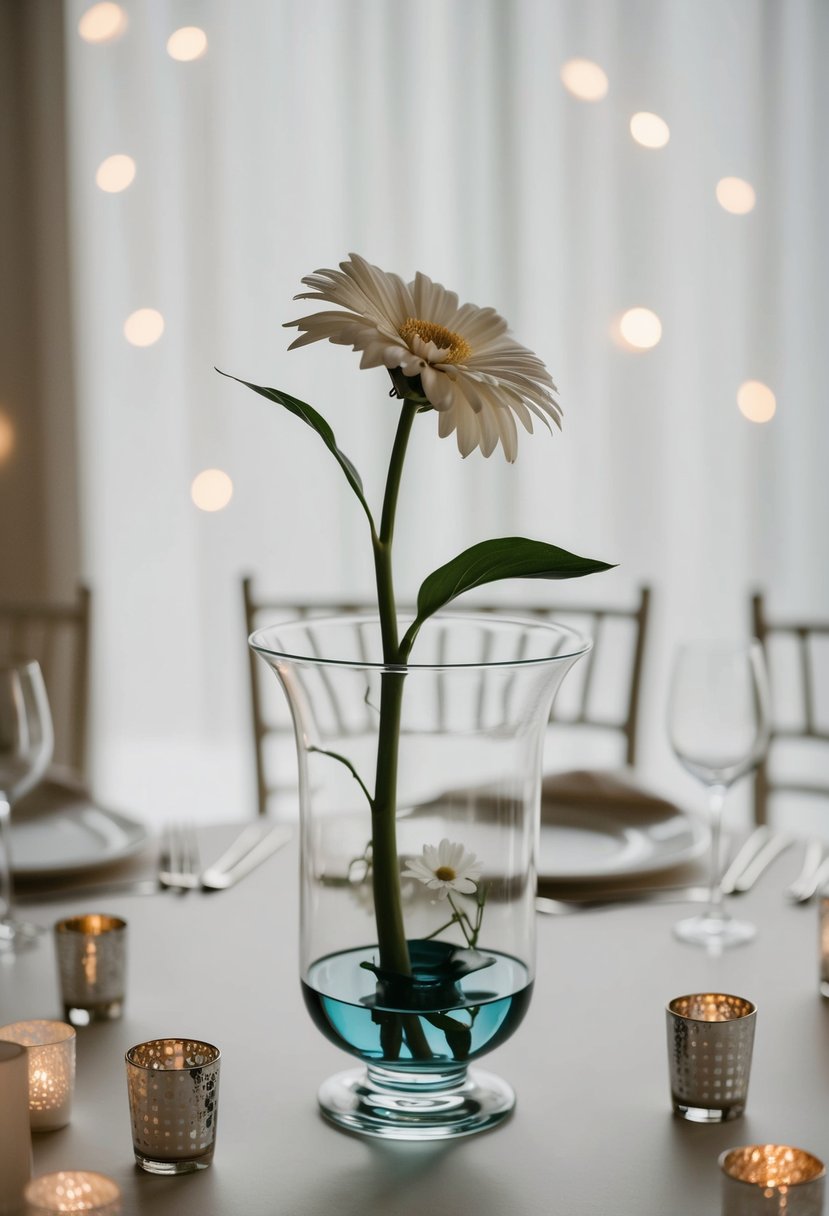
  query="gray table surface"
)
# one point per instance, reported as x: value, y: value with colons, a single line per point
x: 592, y: 1132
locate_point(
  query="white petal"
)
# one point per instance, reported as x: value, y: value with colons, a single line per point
x: 416, y: 869
x: 431, y: 856
x: 432, y: 302
x: 454, y: 855
x: 411, y: 364
x: 444, y: 852
x: 468, y: 431
x: 438, y: 388
x: 478, y: 325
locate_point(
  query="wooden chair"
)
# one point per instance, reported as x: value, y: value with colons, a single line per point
x: 600, y: 696
x: 794, y: 650
x: 57, y: 635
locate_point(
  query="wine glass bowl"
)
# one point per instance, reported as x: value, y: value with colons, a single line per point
x: 718, y: 726
x: 26, y: 746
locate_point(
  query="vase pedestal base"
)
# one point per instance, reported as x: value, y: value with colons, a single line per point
x: 399, y: 1105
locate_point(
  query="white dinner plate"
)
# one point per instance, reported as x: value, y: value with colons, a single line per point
x: 587, y: 844
x: 60, y: 830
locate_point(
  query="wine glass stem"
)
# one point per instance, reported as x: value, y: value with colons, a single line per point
x: 716, y: 799
x: 5, y: 859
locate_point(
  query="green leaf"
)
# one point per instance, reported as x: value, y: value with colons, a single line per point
x: 492, y: 560
x: 317, y: 423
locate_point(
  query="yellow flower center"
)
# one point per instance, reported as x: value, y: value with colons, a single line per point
x: 457, y: 348
x: 445, y: 874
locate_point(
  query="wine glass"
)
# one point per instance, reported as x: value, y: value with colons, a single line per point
x: 26, y: 743
x: 718, y: 724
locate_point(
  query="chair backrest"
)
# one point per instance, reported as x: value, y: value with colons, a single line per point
x: 57, y: 635
x: 600, y: 696
x: 796, y: 652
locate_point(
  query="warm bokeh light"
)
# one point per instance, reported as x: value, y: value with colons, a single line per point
x: 115, y: 173
x: 736, y: 195
x: 187, y: 43
x: 649, y: 130
x: 756, y: 401
x: 144, y: 327
x: 211, y: 490
x: 102, y: 22
x: 7, y: 437
x: 584, y: 79
x: 640, y: 329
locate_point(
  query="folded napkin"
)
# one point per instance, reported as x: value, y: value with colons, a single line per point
x: 607, y: 789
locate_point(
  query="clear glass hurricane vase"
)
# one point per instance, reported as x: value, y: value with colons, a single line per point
x: 419, y: 796
x: 26, y: 743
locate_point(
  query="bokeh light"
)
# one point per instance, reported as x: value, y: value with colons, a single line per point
x: 639, y: 329
x: 143, y: 327
x: 584, y: 79
x: 736, y: 195
x: 7, y: 437
x: 188, y: 43
x: 649, y: 130
x: 211, y: 490
x: 103, y: 22
x: 756, y: 401
x: 115, y: 173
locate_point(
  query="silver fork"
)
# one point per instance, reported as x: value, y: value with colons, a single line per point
x: 179, y: 865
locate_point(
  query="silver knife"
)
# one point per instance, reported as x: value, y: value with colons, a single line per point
x: 804, y: 886
x: 222, y: 875
x: 242, y: 844
x: 815, y: 884
x: 774, y: 846
x: 745, y: 855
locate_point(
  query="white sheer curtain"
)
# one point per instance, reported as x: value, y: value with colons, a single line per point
x: 438, y: 136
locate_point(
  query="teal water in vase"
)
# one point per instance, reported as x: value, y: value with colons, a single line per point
x: 432, y: 1024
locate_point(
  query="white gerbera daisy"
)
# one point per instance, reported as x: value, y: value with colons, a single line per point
x: 446, y: 868
x: 476, y: 377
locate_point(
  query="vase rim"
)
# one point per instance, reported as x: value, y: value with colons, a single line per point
x: 577, y: 645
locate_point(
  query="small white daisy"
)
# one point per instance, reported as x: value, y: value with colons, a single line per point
x: 473, y: 374
x: 446, y: 868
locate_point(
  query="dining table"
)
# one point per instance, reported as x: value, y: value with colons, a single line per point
x: 592, y: 1133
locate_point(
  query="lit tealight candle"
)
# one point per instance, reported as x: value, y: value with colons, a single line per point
x: 91, y: 953
x: 772, y: 1178
x: 51, y: 1051
x: 72, y: 1191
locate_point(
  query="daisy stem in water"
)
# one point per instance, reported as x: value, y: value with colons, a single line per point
x: 391, y: 934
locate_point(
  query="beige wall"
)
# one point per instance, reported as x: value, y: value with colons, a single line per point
x: 39, y: 534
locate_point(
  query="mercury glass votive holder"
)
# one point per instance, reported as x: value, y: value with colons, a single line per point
x: 15, y: 1130
x: 91, y: 952
x: 72, y: 1191
x: 771, y: 1180
x: 50, y: 1047
x: 173, y: 1087
x: 710, y: 1042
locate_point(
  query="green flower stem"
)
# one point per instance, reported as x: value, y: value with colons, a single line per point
x: 392, y: 945
x: 391, y: 934
x: 385, y: 868
x: 383, y: 571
